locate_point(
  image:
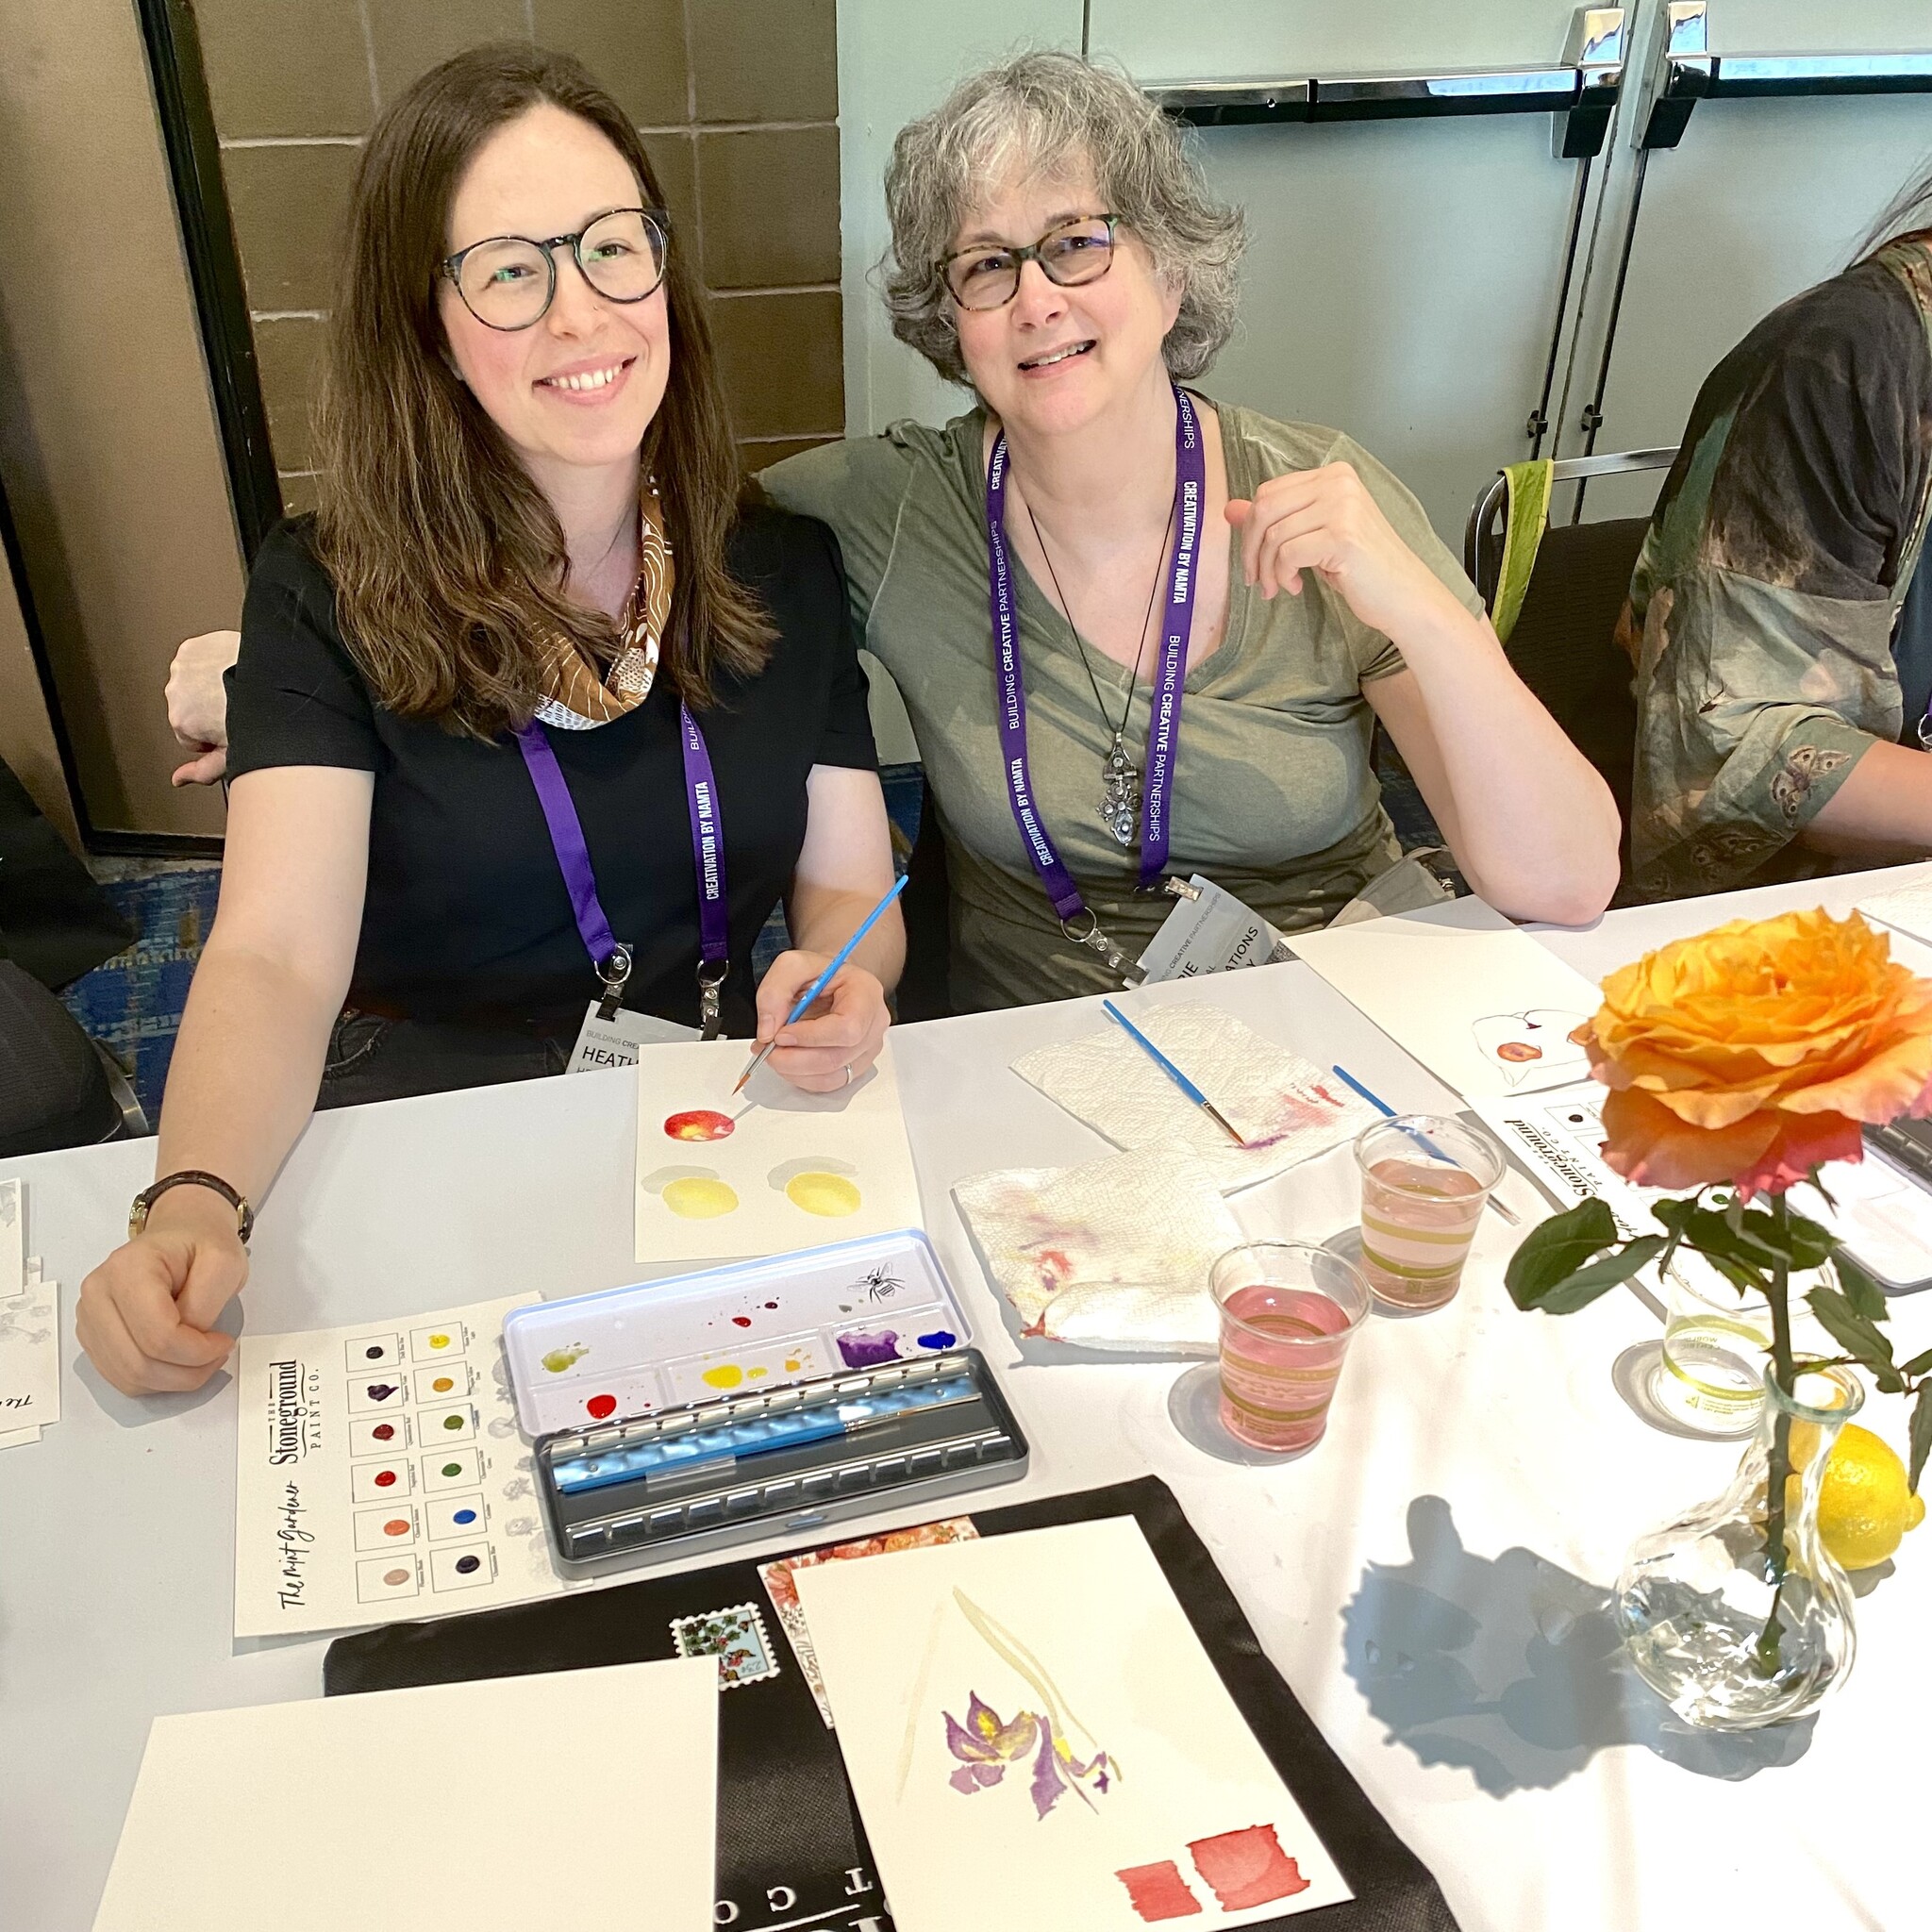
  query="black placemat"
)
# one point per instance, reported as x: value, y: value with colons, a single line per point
x: 790, y: 1844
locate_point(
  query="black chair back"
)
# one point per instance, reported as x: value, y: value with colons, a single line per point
x: 926, y: 907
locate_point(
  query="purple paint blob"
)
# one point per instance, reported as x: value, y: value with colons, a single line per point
x: 870, y: 1351
x: 381, y: 1391
x: 939, y: 1338
x: 467, y: 1566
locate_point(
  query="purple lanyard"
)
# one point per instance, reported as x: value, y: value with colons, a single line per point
x: 611, y: 959
x: 1164, y: 710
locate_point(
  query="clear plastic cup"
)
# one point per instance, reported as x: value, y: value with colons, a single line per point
x: 1288, y: 1314
x: 1425, y: 1180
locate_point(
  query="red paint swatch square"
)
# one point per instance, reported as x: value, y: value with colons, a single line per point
x: 1246, y: 1868
x: 1159, y: 1892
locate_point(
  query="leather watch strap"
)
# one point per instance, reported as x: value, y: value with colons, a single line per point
x: 195, y: 1177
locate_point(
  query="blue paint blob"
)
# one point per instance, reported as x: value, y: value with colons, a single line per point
x: 464, y: 1516
x: 870, y: 1351
x: 939, y: 1338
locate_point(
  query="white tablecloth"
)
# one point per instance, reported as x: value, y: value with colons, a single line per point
x: 1429, y: 1580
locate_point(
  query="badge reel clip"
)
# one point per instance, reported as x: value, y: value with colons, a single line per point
x: 1095, y: 938
x: 615, y: 974
x: 711, y: 980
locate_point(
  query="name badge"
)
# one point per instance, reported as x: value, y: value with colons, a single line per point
x: 1210, y: 931
x: 615, y: 1041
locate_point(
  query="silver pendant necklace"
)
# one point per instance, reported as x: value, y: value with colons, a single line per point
x: 1120, y: 778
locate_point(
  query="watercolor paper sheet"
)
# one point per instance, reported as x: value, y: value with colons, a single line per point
x: 380, y: 1475
x: 1909, y: 909
x: 1285, y: 1107
x: 12, y: 1239
x: 1485, y: 1007
x: 1036, y: 1736
x: 777, y: 1579
x: 29, y: 1361
x: 767, y: 1170
x: 1114, y: 1254
x: 477, y: 1806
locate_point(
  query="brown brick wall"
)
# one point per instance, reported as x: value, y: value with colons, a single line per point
x: 736, y: 101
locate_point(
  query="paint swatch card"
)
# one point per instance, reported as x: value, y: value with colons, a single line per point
x: 380, y: 1475
x: 448, y: 1806
x: 752, y: 1326
x: 29, y: 1361
x: 720, y: 1175
x: 1485, y: 1007
x: 1283, y: 1106
x: 1036, y: 1736
x: 12, y: 1239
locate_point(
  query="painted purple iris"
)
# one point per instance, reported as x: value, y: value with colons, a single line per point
x: 986, y: 1748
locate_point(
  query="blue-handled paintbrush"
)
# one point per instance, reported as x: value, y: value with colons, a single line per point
x: 1173, y: 1072
x: 819, y: 985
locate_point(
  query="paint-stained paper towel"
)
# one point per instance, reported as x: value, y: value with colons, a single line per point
x: 1285, y: 1107
x: 1113, y: 1254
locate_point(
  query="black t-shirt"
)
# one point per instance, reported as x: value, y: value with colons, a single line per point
x: 466, y: 914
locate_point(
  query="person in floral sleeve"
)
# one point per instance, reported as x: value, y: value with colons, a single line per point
x: 1779, y: 625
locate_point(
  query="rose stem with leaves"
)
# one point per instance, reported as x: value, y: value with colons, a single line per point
x: 1783, y: 1373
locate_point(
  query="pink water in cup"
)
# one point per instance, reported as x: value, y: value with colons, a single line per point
x: 1288, y: 1314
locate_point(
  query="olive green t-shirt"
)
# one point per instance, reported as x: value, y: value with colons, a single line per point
x: 1274, y: 797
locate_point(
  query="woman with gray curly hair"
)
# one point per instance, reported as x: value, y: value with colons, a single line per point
x: 1056, y: 250
x: 1136, y: 681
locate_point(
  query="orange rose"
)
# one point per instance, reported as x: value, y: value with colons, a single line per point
x: 1753, y: 1054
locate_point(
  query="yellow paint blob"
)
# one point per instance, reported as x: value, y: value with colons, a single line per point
x: 560, y: 1359
x: 438, y: 1342
x: 791, y: 1367
x: 726, y: 1376
x: 755, y: 1376
x: 699, y: 1200
x: 829, y: 1194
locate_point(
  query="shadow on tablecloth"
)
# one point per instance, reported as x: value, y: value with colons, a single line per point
x: 1510, y: 1668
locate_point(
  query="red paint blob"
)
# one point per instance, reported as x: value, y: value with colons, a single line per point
x: 1247, y: 1868
x: 741, y: 1321
x: 770, y: 1305
x: 700, y: 1124
x: 383, y: 1431
x: 384, y: 1479
x: 1159, y: 1892
x: 601, y: 1405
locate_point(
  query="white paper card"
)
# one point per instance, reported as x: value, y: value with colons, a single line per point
x: 1907, y: 907
x: 1485, y: 1007
x: 722, y: 1176
x: 12, y: 1239
x: 1035, y: 1709
x: 477, y: 1805
x: 1283, y: 1106
x: 30, y: 1359
x: 380, y: 1475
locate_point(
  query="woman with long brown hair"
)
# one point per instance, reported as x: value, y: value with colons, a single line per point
x: 534, y: 710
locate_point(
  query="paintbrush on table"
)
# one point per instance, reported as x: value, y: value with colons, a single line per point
x: 1173, y: 1072
x: 819, y: 985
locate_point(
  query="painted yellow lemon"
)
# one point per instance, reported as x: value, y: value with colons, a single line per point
x: 700, y: 1200
x: 829, y: 1194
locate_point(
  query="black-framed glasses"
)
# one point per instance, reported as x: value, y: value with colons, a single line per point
x: 988, y: 276
x: 509, y: 281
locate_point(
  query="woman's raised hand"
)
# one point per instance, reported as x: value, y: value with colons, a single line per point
x: 845, y: 1029
x: 1327, y: 521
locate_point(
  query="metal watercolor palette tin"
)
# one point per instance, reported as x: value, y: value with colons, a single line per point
x: 746, y: 1328
x: 790, y: 1458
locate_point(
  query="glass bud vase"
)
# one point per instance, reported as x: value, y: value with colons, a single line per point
x: 1729, y: 1638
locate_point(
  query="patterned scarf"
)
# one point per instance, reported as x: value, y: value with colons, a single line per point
x: 574, y: 698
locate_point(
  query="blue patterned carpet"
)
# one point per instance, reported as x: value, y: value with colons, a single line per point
x: 133, y: 1003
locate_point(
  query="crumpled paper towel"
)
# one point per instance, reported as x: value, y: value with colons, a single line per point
x: 1285, y: 1107
x: 1113, y: 1254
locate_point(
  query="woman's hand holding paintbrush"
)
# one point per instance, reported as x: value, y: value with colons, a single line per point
x: 823, y: 1021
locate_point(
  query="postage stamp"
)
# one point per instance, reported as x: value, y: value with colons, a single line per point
x: 736, y: 1636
